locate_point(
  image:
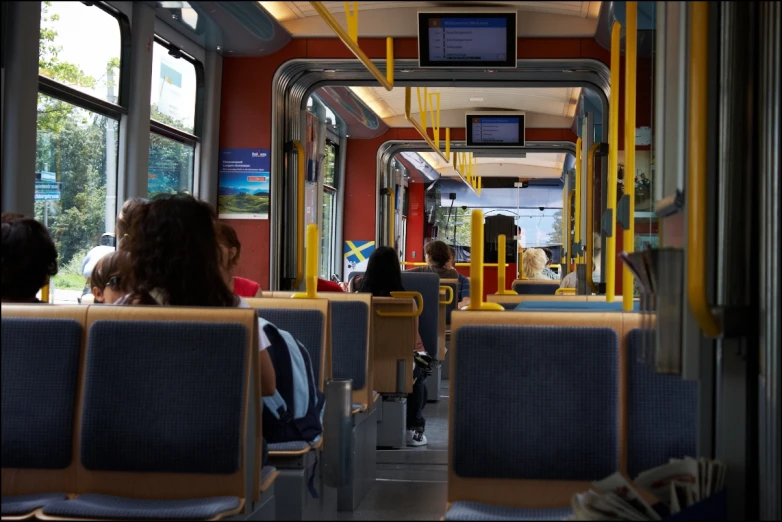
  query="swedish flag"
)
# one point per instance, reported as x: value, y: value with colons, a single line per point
x: 357, y: 251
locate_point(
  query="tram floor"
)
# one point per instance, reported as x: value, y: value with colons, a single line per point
x: 412, y: 482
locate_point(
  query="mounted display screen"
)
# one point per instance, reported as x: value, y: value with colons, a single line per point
x: 495, y: 130
x: 467, y: 39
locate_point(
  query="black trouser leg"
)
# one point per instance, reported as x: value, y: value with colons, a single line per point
x: 416, y: 402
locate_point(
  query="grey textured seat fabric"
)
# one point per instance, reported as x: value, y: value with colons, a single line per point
x: 266, y: 472
x: 111, y: 507
x: 306, y: 326
x: 554, y: 392
x: 535, y: 289
x: 480, y: 511
x: 164, y: 397
x: 661, y: 412
x: 40, y: 369
x: 297, y: 445
x: 18, y: 505
x: 349, y: 341
x: 428, y: 285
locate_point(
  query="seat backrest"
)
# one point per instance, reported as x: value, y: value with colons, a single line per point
x: 574, y: 305
x: 454, y: 304
x: 350, y: 342
x: 166, y: 402
x: 535, y: 286
x: 550, y: 383
x: 662, y: 412
x: 428, y: 285
x: 393, y: 340
x: 41, y: 360
x: 308, y: 321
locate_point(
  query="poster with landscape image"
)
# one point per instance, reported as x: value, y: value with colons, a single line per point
x: 243, y: 189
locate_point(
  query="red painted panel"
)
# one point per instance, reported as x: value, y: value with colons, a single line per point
x: 490, y: 277
x: 414, y: 244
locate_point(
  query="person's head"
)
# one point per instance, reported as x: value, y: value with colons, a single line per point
x: 106, y: 280
x: 437, y: 253
x: 230, y: 249
x: 549, y: 256
x: 173, y: 252
x: 534, y: 262
x: 383, y: 274
x: 125, y: 216
x: 29, y: 257
x: 452, y: 259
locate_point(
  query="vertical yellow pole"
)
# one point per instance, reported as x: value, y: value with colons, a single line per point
x: 613, y: 152
x: 311, y: 269
x: 390, y: 60
x: 629, y: 181
x: 45, y: 293
x: 476, y: 265
x: 448, y: 143
x: 577, y: 238
x: 501, y: 263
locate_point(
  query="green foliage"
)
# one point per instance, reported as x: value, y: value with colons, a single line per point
x: 460, y: 218
x: 555, y: 237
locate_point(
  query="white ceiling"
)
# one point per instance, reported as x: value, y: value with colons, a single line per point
x: 534, y: 166
x: 398, y: 19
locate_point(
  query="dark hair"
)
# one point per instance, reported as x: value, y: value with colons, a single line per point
x: 29, y: 257
x: 549, y: 254
x: 173, y: 249
x: 125, y: 216
x: 452, y: 251
x: 438, y: 252
x: 107, y: 267
x: 383, y: 274
x: 226, y: 236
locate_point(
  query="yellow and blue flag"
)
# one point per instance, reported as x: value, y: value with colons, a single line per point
x: 357, y: 251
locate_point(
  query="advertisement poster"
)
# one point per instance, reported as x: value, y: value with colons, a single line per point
x: 243, y: 188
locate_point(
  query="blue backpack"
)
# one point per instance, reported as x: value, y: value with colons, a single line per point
x: 295, y: 411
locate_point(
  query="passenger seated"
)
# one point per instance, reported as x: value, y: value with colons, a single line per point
x: 174, y: 259
x: 569, y: 281
x: 230, y: 250
x: 106, y: 281
x: 463, y: 285
x: 29, y: 258
x: 548, y: 272
x: 534, y: 261
x: 437, y: 254
x: 324, y: 285
x: 382, y: 277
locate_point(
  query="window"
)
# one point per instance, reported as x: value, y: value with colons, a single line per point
x: 77, y: 133
x: 176, y: 81
x: 328, y: 223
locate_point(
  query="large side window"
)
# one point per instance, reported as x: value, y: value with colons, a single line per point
x: 79, y: 109
x: 177, y: 85
x: 328, y: 227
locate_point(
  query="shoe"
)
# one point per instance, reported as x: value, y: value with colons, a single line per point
x: 422, y: 359
x: 416, y: 438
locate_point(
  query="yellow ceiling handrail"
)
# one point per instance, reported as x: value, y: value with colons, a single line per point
x: 613, y: 157
x: 696, y: 182
x: 351, y: 41
x: 631, y: 64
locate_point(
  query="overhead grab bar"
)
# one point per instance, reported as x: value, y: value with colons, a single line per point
x: 351, y: 41
x: 613, y: 161
x: 696, y: 181
x: 631, y: 49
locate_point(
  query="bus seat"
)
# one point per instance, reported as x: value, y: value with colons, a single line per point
x: 144, y: 391
x: 449, y: 308
x: 41, y: 360
x: 535, y: 286
x: 428, y: 285
x: 393, y: 339
x: 662, y: 412
x: 574, y: 305
x: 588, y: 420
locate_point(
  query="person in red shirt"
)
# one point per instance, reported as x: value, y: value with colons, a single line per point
x: 324, y: 285
x: 230, y: 250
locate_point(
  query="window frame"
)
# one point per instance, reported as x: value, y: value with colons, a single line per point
x: 327, y: 255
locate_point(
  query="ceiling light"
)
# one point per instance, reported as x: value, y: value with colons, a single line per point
x: 280, y: 11
x: 377, y: 105
x: 476, y: 99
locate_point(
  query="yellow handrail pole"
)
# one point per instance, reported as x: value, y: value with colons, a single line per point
x: 435, y: 117
x: 311, y: 275
x: 423, y: 111
x: 696, y: 182
x: 386, y: 81
x: 45, y: 293
x: 566, y: 239
x: 476, y: 265
x: 565, y: 291
x: 414, y: 263
x: 501, y: 288
x: 577, y: 238
x: 521, y: 265
x: 613, y: 161
x: 590, y: 218
x: 631, y: 34
x: 448, y: 143
x: 448, y: 291
x: 300, y: 203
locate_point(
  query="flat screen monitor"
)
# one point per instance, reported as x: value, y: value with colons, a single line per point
x: 495, y: 130
x: 467, y: 39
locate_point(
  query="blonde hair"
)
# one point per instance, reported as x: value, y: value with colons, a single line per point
x: 534, y: 260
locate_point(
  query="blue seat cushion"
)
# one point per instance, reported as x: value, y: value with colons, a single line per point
x: 481, y: 511
x: 349, y: 341
x: 18, y: 505
x: 289, y: 446
x: 111, y: 507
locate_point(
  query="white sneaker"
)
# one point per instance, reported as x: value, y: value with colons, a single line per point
x: 416, y: 438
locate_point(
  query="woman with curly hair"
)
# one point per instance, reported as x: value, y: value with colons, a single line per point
x: 29, y: 258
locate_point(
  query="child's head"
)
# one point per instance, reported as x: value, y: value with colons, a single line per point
x: 106, y: 281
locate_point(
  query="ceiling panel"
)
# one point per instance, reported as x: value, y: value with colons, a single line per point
x: 579, y: 9
x: 536, y: 165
